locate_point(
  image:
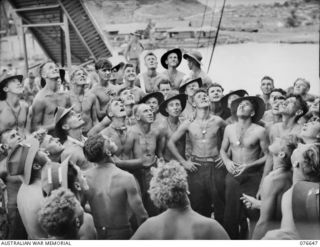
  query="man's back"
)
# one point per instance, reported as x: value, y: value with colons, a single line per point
x: 180, y: 224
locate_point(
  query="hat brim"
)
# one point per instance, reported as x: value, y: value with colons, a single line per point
x: 183, y: 87
x: 118, y: 66
x: 65, y: 112
x: 34, y: 147
x: 159, y: 96
x: 5, y: 81
x: 165, y: 56
x: 224, y: 99
x: 183, y: 99
x: 258, y: 104
x: 187, y: 55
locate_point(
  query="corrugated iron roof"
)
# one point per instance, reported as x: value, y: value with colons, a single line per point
x: 86, y: 39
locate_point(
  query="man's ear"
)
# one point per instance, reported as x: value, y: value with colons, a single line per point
x: 36, y: 166
x: 166, y: 62
x: 65, y: 127
x: 298, y: 112
x: 253, y: 113
x: 5, y: 89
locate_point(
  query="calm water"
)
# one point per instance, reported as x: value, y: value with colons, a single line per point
x: 243, y: 65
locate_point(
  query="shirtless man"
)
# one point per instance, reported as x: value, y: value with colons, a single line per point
x: 111, y: 191
x: 10, y: 138
x: 243, y: 150
x: 266, y: 86
x: 277, y: 182
x: 305, y: 162
x: 128, y: 100
x: 301, y: 87
x: 103, y: 90
x: 310, y: 132
x: 189, y: 88
x: 69, y: 130
x: 171, y: 61
x: 48, y: 99
x: 273, y: 115
x: 194, y: 59
x: 171, y: 109
x: 133, y: 50
x: 148, y: 145
x: 164, y: 87
x: 292, y: 109
x: 13, y: 111
x: 215, y: 93
x: 83, y: 102
x: 129, y: 82
x: 30, y: 88
x: 154, y: 100
x: 148, y: 81
x: 206, y: 172
x: 169, y: 189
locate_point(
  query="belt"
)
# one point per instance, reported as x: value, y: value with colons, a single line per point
x: 213, y: 159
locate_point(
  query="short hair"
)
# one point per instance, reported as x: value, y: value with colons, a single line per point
x: 169, y: 185
x: 267, y: 78
x: 200, y: 90
x: 128, y: 65
x: 311, y: 166
x: 74, y: 70
x: 150, y: 53
x: 102, y: 63
x: 164, y: 81
x: 2, y: 132
x: 94, y: 148
x: 61, y: 133
x: 279, y: 90
x: 215, y: 84
x: 42, y: 66
x: 57, y: 215
x: 110, y: 103
x: 302, y: 104
x: 121, y: 90
x: 302, y: 79
x: 291, y: 143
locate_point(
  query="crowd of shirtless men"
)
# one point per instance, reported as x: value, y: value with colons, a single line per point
x: 100, y: 152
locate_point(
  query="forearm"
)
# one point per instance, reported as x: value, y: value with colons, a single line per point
x: 224, y: 156
x: 172, y: 147
x: 129, y: 164
x: 258, y: 162
x: 262, y: 227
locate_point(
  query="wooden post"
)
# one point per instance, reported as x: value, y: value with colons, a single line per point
x: 24, y: 45
x: 67, y: 40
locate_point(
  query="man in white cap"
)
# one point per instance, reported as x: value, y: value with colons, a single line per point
x: 83, y: 102
x: 194, y: 63
x: 171, y: 61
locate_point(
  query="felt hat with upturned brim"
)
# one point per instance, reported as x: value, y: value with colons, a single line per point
x: 118, y: 66
x: 165, y: 56
x: 4, y: 82
x: 21, y: 157
x: 60, y: 113
x: 195, y: 55
x: 257, y: 102
x: 182, y: 88
x: 224, y: 99
x: 172, y: 96
x: 54, y: 176
x: 159, y: 96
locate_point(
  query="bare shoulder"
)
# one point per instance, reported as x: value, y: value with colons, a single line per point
x: 210, y: 229
x: 217, y: 120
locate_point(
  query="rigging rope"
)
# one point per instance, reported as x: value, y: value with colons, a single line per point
x: 216, y: 37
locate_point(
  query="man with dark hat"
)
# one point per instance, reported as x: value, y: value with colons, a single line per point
x: 154, y: 100
x: 82, y: 101
x: 68, y: 126
x: 194, y: 59
x: 226, y: 101
x: 243, y: 150
x: 13, y: 111
x: 117, y: 74
x: 205, y: 168
x: 171, y: 61
x: 171, y: 109
x: 189, y: 88
x: 48, y: 99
